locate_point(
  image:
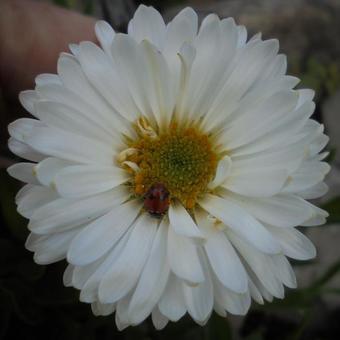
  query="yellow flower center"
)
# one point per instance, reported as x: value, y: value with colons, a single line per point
x: 182, y: 159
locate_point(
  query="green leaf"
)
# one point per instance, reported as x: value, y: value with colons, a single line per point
x: 333, y: 208
x: 219, y: 328
x: 62, y: 3
x: 14, y: 262
x: 5, y: 311
x: 306, y: 319
x: 14, y: 222
x: 299, y: 299
x: 88, y: 7
x: 255, y: 336
x: 335, y: 291
x: 331, y: 157
x: 331, y: 272
x: 29, y: 270
x: 20, y: 295
x: 52, y: 282
x: 302, y: 299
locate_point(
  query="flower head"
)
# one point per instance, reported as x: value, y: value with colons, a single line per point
x: 170, y: 168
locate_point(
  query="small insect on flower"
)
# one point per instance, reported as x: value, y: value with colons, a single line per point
x: 156, y: 200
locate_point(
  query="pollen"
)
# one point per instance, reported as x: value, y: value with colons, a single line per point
x: 182, y: 159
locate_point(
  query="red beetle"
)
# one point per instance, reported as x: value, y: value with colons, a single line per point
x: 156, y: 200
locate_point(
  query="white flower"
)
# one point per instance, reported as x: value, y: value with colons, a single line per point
x: 170, y: 168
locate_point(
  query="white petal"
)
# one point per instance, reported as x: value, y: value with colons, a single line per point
x: 262, y: 183
x: 32, y: 240
x: 255, y: 292
x: 24, y: 151
x: 122, y: 277
x: 104, y: 231
x: 287, y: 158
x: 89, y: 289
x: 254, y: 59
x: 222, y: 172
x: 74, y: 48
x: 182, y: 28
x: 62, y: 94
x: 23, y: 172
x: 63, y: 214
x: 132, y: 65
x: 284, y: 271
x: 23, y: 192
x: 22, y: 128
x: 101, y: 73
x: 186, y: 58
x: 160, y: 89
x: 265, y: 294
x: 260, y: 119
x: 199, y: 299
x: 284, y: 134
x: 242, y: 36
x: 148, y: 24
x: 153, y: 278
x: 28, y: 99
x: 105, y: 35
x: 52, y: 248
x: 294, y: 244
x: 181, y: 221
x: 47, y: 78
x: 90, y: 103
x: 70, y: 146
x: 34, y: 198
x: 81, y: 274
x: 103, y: 309
x: 158, y: 319
x: 225, y: 261
x: 222, y: 256
x: 281, y: 210
x: 315, y: 191
x: 48, y: 168
x: 85, y: 180
x: 122, y: 316
x: 309, y: 174
x: 207, y: 46
x: 314, y: 221
x: 179, y: 248
x: 58, y: 115
x: 318, y: 144
x: 219, y: 309
x: 305, y: 95
x: 67, y: 276
x: 237, y: 304
x: 241, y: 222
x: 261, y: 264
x: 215, y: 45
x: 172, y: 303
x: 133, y: 166
x: 276, y: 67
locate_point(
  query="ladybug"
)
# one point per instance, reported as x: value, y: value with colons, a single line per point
x: 156, y: 200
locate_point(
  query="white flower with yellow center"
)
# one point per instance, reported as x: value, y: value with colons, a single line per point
x: 170, y: 168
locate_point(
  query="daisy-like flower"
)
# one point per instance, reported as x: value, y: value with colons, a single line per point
x: 170, y: 168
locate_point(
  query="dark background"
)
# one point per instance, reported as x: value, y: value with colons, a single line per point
x: 33, y: 302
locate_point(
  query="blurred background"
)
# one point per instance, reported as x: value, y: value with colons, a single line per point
x: 33, y: 302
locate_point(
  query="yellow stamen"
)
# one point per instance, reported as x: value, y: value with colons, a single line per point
x: 182, y: 159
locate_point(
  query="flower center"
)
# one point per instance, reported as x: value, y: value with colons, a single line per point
x: 181, y: 159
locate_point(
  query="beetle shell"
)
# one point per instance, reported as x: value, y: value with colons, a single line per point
x: 156, y: 200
